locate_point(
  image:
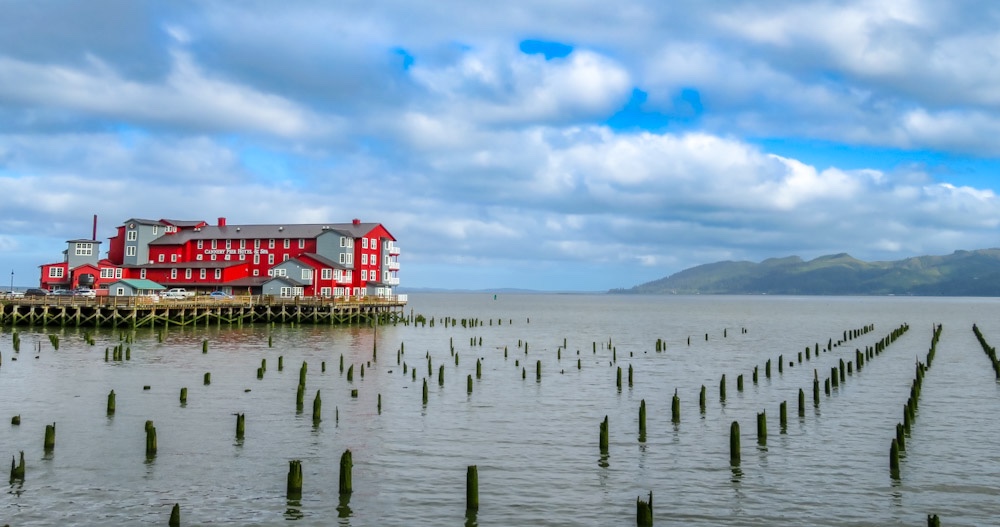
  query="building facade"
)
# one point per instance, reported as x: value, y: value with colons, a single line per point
x: 353, y: 259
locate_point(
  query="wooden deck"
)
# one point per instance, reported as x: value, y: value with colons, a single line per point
x: 134, y: 312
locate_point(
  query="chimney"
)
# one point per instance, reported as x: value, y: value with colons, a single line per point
x: 222, y: 222
x: 94, y: 235
x: 357, y: 221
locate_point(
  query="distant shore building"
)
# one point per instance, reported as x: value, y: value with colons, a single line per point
x: 353, y: 259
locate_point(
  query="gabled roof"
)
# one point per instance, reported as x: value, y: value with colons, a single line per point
x: 140, y: 283
x: 322, y: 260
x: 289, y: 281
x: 184, y: 223
x: 141, y: 221
x: 276, y: 231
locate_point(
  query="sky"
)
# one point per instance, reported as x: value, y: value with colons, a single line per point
x: 553, y: 145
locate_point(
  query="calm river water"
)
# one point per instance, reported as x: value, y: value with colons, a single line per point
x: 535, y: 442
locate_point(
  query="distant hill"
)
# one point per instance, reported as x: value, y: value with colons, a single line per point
x: 962, y: 273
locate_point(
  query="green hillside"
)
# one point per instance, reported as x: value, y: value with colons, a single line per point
x: 962, y: 273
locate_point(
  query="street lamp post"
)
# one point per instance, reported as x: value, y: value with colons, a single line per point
x: 12, y: 281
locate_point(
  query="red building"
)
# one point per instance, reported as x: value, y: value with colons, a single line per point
x: 334, y: 259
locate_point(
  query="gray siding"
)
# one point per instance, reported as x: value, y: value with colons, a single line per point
x: 328, y: 246
x: 74, y: 260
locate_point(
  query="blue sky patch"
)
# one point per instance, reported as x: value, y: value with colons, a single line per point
x: 551, y: 50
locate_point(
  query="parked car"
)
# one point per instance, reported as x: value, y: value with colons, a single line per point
x: 220, y: 295
x: 177, y: 293
x: 36, y: 292
x: 12, y: 294
x: 62, y: 292
x: 85, y: 292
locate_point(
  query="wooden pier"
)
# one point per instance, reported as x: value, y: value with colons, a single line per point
x: 135, y: 312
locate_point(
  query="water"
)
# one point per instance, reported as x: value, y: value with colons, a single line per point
x: 535, y: 443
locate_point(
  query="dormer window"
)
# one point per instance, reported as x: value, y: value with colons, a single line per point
x: 84, y: 249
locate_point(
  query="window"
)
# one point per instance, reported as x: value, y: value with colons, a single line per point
x: 218, y: 274
x: 337, y: 275
x: 215, y: 244
x: 132, y: 236
x: 288, y: 243
x: 307, y: 274
x: 256, y: 272
x: 343, y: 257
x: 256, y: 259
x: 280, y: 272
x: 364, y: 243
x: 214, y: 257
x: 284, y: 258
x: 199, y: 257
x: 229, y: 244
x: 55, y: 272
x: 201, y: 244
x: 84, y: 249
x: 374, y: 275
x: 227, y: 257
x: 187, y: 274
x: 108, y: 272
x: 256, y: 244
x: 374, y: 244
x: 302, y: 243
x: 325, y: 291
x: 156, y: 230
x: 326, y: 274
x: 142, y: 274
x: 118, y: 273
x: 120, y: 291
x: 343, y: 241
x: 203, y: 274
x: 270, y: 243
x: 286, y: 292
x: 243, y: 244
x: 243, y: 256
x: 364, y: 274
x: 160, y: 257
x: 173, y: 274
x: 270, y: 259
x: 173, y: 257
x: 130, y: 250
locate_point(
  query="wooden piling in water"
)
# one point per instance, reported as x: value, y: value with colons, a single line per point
x: 603, y: 441
x: 722, y: 388
x: 294, y: 487
x: 701, y: 399
x: 175, y: 516
x: 472, y: 488
x: 894, y: 459
x: 739, y: 382
x: 240, y: 425
x: 644, y: 511
x: 802, y: 403
x: 50, y: 437
x: 734, y: 443
x: 783, y: 416
x: 317, y: 408
x: 675, y: 408
x: 346, y: 485
x: 642, y: 420
x: 111, y: 403
x: 184, y: 395
x: 150, y: 439
x: 762, y: 428
x: 208, y: 378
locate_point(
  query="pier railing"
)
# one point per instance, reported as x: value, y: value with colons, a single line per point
x: 205, y: 301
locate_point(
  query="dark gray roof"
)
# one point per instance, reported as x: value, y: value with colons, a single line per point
x: 288, y: 280
x: 251, y: 232
x: 324, y: 260
x: 82, y: 240
x: 220, y: 264
x: 183, y: 223
x: 142, y: 221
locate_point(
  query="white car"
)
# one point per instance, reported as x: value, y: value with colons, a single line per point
x: 177, y: 293
x: 85, y: 292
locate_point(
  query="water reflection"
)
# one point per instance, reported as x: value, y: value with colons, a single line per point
x: 343, y: 507
x: 293, y: 510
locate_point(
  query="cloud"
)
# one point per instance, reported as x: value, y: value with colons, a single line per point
x: 187, y: 98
